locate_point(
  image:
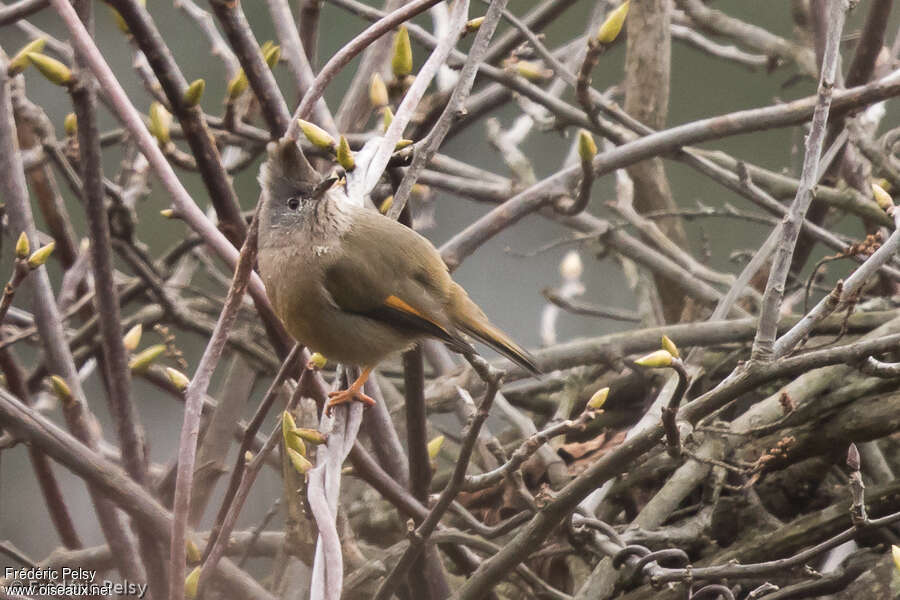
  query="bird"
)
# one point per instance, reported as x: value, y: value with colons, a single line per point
x: 353, y: 284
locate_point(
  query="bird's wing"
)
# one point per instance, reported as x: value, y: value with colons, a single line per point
x: 396, y: 276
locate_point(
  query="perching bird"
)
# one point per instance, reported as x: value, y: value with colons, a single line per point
x: 354, y: 285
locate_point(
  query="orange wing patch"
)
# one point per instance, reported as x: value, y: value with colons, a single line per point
x: 398, y: 304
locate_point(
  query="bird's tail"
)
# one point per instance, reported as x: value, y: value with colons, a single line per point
x: 470, y: 318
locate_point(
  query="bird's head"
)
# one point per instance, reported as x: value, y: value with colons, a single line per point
x: 289, y: 199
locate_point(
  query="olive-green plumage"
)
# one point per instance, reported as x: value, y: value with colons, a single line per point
x: 353, y: 284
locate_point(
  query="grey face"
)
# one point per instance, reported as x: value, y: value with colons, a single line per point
x: 288, y: 203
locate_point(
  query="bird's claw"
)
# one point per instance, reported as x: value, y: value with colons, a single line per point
x: 348, y: 395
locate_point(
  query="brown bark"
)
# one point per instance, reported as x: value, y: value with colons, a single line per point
x: 647, y: 98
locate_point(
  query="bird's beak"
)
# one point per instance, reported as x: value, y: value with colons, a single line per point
x: 324, y: 187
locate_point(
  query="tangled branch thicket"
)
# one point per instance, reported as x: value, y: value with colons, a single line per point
x: 737, y: 440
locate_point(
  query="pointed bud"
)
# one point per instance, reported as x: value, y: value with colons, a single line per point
x: 192, y: 583
x: 611, y: 27
x: 313, y: 436
x: 598, y: 399
x: 291, y: 440
x: 434, y: 447
x: 587, y: 147
x: 571, y: 266
x: 160, y: 123
x: 532, y: 71
x: 120, y: 22
x: 345, y: 155
x: 402, y: 60
x: 378, y: 94
x: 882, y: 198
x: 248, y: 457
x: 473, y: 25
x: 132, y: 339
x: 192, y: 552
x: 143, y: 360
x: 655, y: 360
x: 167, y: 213
x: 272, y: 56
x: 23, y: 248
x: 61, y: 388
x: 70, y: 124
x: 895, y: 554
x: 317, y: 361
x: 237, y: 85
x: 853, y: 457
x: 178, y: 379
x: 402, y: 143
x: 386, y: 204
x: 18, y: 62
x: 316, y: 135
x: 194, y: 92
x: 300, y: 463
x: 387, y: 117
x: 670, y: 347
x: 40, y: 256
x: 52, y: 69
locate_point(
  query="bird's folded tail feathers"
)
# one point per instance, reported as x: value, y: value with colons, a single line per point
x: 469, y: 318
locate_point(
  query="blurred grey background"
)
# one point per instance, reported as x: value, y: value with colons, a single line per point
x: 507, y: 286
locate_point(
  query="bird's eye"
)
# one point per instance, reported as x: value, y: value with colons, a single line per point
x: 293, y: 203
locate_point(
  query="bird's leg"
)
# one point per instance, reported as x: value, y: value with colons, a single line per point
x: 354, y: 392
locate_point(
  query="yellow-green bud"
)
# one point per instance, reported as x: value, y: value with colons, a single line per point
x: 313, y: 436
x: 895, y: 554
x: 120, y: 22
x: 237, y: 85
x: 300, y: 463
x: 160, y: 123
x: 472, y: 25
x: 272, y: 55
x: 434, y: 446
x: 192, y: 552
x: 670, y: 347
x: 40, y: 256
x: 167, y: 213
x: 402, y: 143
x: 387, y: 117
x: 532, y: 71
x: 386, y: 204
x: 587, y: 147
x: 345, y: 155
x: 316, y: 135
x: 20, y: 61
x: 192, y: 583
x: 612, y: 26
x: 70, y: 124
x: 317, y: 361
x: 248, y: 457
x: 655, y: 360
x: 61, y: 388
x: 143, y: 360
x: 52, y: 69
x: 178, y: 379
x: 23, y: 248
x: 132, y: 338
x: 882, y: 198
x: 291, y: 439
x: 194, y: 92
x: 598, y: 399
x: 378, y: 94
x: 402, y: 60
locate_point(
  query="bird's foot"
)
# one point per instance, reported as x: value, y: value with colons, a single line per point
x: 348, y: 395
